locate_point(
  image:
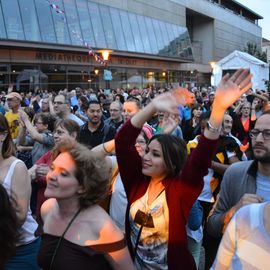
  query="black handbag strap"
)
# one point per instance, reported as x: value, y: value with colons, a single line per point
x: 61, y: 238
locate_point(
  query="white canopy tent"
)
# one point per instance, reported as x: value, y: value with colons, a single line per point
x: 237, y: 59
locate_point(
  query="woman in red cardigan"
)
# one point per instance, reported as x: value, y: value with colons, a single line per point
x: 162, y: 186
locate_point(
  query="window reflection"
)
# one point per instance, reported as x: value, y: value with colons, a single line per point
x: 13, y: 19
x: 164, y: 33
x: 73, y: 22
x: 97, y: 25
x: 45, y: 21
x: 151, y: 35
x: 107, y: 26
x: 157, y: 31
x: 127, y: 31
x: 136, y: 32
x: 170, y: 32
x: 144, y: 34
x: 3, y: 33
x: 60, y: 25
x: 29, y: 18
x: 86, y: 25
x: 117, y: 26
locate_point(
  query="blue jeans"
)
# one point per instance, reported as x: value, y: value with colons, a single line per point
x: 25, y: 257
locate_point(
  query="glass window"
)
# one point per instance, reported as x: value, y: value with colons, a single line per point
x: 170, y: 31
x: 176, y: 31
x: 57, y: 77
x: 107, y: 26
x: 3, y: 33
x: 177, y: 40
x: 97, y: 25
x: 78, y: 76
x: 144, y: 34
x: 13, y: 19
x: 86, y: 25
x: 60, y: 24
x: 45, y: 20
x: 164, y: 33
x: 29, y: 18
x: 73, y: 22
x: 136, y: 32
x: 171, y: 48
x: 117, y: 26
x: 160, y: 42
x: 185, y: 37
x: 151, y: 34
x: 127, y: 31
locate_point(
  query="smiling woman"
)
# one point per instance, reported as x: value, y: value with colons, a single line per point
x: 63, y: 130
x: 162, y: 186
x: 76, y: 182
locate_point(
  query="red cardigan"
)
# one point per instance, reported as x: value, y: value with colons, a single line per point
x: 41, y: 181
x: 181, y: 192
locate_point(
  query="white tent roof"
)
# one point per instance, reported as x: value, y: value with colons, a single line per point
x: 241, y: 56
x: 236, y: 60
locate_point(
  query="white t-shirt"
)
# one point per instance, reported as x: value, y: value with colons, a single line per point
x: 153, y: 244
x: 118, y: 203
x: 207, y: 194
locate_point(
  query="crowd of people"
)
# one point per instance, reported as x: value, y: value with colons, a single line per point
x: 138, y: 179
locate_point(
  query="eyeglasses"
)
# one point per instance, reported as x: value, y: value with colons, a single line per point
x: 141, y: 142
x: 114, y: 110
x: 58, y: 103
x: 254, y: 133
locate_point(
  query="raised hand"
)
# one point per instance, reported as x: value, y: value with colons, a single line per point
x: 169, y: 123
x: 182, y: 96
x: 231, y: 88
x: 23, y: 116
x: 170, y: 101
x: 42, y: 170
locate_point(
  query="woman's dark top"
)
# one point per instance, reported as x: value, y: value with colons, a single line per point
x: 71, y: 256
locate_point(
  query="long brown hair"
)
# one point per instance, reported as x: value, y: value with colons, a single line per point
x: 9, y: 226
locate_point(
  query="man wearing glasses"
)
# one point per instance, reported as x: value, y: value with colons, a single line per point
x: 116, y: 119
x: 62, y: 109
x: 244, y: 182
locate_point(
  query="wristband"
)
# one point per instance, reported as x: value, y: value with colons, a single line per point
x: 212, y: 129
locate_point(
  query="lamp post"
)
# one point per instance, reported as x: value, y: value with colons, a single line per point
x: 107, y: 73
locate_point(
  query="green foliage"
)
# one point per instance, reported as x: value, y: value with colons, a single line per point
x: 253, y: 50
